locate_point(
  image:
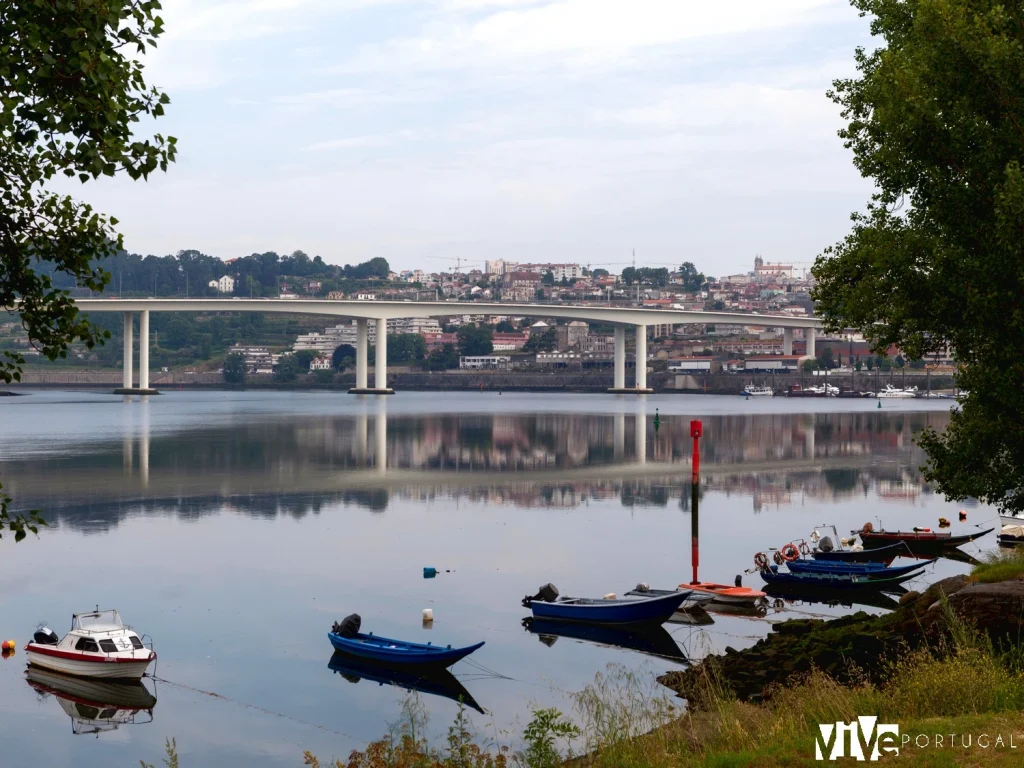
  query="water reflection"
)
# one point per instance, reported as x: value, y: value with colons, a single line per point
x: 94, y: 706
x: 560, y: 460
x: 650, y: 640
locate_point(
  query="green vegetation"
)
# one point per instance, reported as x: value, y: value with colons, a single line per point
x: 691, y: 279
x: 342, y: 356
x: 71, y: 91
x: 935, y: 118
x: 999, y: 566
x: 541, y: 342
x: 475, y: 340
x: 646, y: 276
x: 234, y: 368
x: 443, y: 358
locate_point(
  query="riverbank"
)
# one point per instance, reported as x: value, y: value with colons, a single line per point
x: 503, y: 381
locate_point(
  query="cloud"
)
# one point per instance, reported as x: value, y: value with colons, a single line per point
x: 362, y: 142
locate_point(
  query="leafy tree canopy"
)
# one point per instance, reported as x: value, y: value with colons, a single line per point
x: 541, y: 342
x: 443, y: 358
x: 935, y: 117
x: 71, y: 92
x: 343, y: 353
x: 691, y: 279
x: 475, y: 340
x: 234, y: 368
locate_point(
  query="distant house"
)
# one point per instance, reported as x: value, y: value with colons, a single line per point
x: 226, y: 284
x: 485, y: 362
x: 320, y: 364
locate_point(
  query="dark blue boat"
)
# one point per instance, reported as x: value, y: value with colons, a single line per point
x: 877, y: 555
x: 388, y: 651
x: 871, y: 570
x: 773, y: 575
x: 651, y: 610
x: 435, y: 681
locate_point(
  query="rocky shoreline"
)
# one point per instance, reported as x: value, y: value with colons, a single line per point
x: 856, y: 647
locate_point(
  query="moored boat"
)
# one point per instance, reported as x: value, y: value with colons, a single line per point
x: 895, y: 392
x: 346, y: 637
x: 772, y: 575
x: 751, y: 390
x: 726, y: 594
x: 547, y: 604
x: 98, y: 645
x: 921, y: 541
x: 870, y: 570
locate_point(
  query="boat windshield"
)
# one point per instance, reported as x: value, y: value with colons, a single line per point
x: 97, y: 621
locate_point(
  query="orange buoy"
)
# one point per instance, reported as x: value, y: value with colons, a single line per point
x: 9, y: 645
x: 963, y: 515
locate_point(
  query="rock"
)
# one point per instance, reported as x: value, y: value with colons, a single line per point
x: 910, y: 597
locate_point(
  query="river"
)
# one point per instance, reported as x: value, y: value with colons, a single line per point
x: 234, y: 528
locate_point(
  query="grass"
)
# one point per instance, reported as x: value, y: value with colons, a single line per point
x: 1000, y: 566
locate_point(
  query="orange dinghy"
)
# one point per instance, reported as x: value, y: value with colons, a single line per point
x: 727, y: 594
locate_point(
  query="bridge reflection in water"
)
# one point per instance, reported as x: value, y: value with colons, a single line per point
x: 273, y: 463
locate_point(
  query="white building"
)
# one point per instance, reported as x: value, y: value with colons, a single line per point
x: 498, y: 266
x: 225, y: 285
x: 485, y: 362
x: 320, y: 364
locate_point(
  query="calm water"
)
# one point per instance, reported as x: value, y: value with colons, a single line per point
x: 235, y: 528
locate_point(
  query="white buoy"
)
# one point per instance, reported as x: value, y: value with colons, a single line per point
x: 610, y: 596
x: 428, y: 614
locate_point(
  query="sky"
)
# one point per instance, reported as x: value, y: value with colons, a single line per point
x: 427, y: 131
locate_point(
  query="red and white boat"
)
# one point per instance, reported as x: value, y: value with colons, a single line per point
x: 98, y: 645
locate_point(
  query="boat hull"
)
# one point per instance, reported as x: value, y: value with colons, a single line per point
x: 868, y: 570
x: 387, y: 651
x: 723, y: 594
x: 91, y: 691
x: 653, y: 610
x: 833, y: 581
x: 918, y: 543
x: 105, y: 670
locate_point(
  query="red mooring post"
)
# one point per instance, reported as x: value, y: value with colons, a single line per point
x: 696, y: 431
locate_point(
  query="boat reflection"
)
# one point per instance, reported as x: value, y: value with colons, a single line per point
x: 94, y: 706
x: 435, y: 681
x: 651, y: 640
x: 695, y: 617
x: 824, y: 596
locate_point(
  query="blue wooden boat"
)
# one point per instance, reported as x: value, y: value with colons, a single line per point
x: 773, y: 575
x: 876, y: 555
x: 871, y: 570
x: 389, y: 651
x: 651, y: 610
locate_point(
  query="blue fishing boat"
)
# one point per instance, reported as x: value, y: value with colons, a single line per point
x: 884, y: 555
x: 773, y: 575
x: 346, y: 637
x: 651, y: 610
x: 871, y: 570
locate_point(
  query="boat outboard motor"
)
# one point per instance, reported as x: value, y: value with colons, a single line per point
x: 45, y: 636
x: 547, y: 594
x: 739, y: 580
x: 825, y: 545
x: 349, y: 626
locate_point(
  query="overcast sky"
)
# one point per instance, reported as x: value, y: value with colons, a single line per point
x: 553, y: 130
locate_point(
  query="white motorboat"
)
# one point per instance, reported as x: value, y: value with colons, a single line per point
x: 98, y: 645
x: 890, y: 391
x: 95, y: 706
x: 754, y: 391
x: 1011, y: 520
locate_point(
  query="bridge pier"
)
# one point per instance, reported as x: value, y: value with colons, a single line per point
x: 809, y: 334
x: 620, y: 387
x: 787, y: 341
x: 128, y: 364
x: 380, y: 370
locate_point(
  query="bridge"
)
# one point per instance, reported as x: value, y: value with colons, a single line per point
x: 380, y: 312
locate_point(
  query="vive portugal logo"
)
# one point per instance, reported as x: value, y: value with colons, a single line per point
x: 866, y: 739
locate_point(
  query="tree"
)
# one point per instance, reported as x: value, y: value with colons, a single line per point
x: 71, y: 90
x: 343, y: 353
x: 406, y: 347
x: 475, y: 340
x: 178, y: 333
x: 691, y: 279
x: 826, y: 359
x: 548, y: 278
x: 810, y: 365
x: 287, y: 369
x: 444, y: 357
x: 869, y: 362
x: 718, y: 306
x: 541, y: 342
x: 935, y: 117
x: 324, y: 376
x: 629, y: 275
x: 900, y: 362
x: 304, y: 358
x: 857, y: 366
x: 505, y: 326
x: 598, y: 273
x: 234, y: 368
x: 884, y: 363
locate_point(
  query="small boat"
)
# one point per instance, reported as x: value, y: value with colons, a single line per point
x: 646, y: 610
x: 726, y: 594
x: 94, y: 705
x: 772, y: 575
x: 919, y: 542
x: 870, y: 570
x: 694, y: 600
x: 1005, y: 520
x: 98, y: 645
x: 883, y: 555
x: 390, y: 651
x: 436, y: 681
x: 651, y: 639
x: 895, y: 392
x: 1011, y: 536
x: 754, y: 391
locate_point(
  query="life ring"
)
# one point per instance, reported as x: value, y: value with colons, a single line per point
x: 805, y: 550
x: 868, y: 528
x: 761, y: 560
x: 789, y: 552
x: 815, y: 535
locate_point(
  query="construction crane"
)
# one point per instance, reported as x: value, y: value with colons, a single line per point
x: 458, y: 263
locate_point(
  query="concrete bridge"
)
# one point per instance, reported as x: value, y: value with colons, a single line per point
x: 380, y: 312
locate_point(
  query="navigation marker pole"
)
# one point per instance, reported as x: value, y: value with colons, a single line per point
x: 696, y: 430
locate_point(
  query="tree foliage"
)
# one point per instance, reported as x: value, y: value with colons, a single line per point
x: 541, y: 342
x: 234, y: 368
x: 343, y: 353
x: 475, y: 340
x: 406, y: 347
x: 71, y: 91
x: 443, y: 358
x: 645, y: 276
x: 691, y: 279
x: 936, y: 119
x: 287, y: 369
